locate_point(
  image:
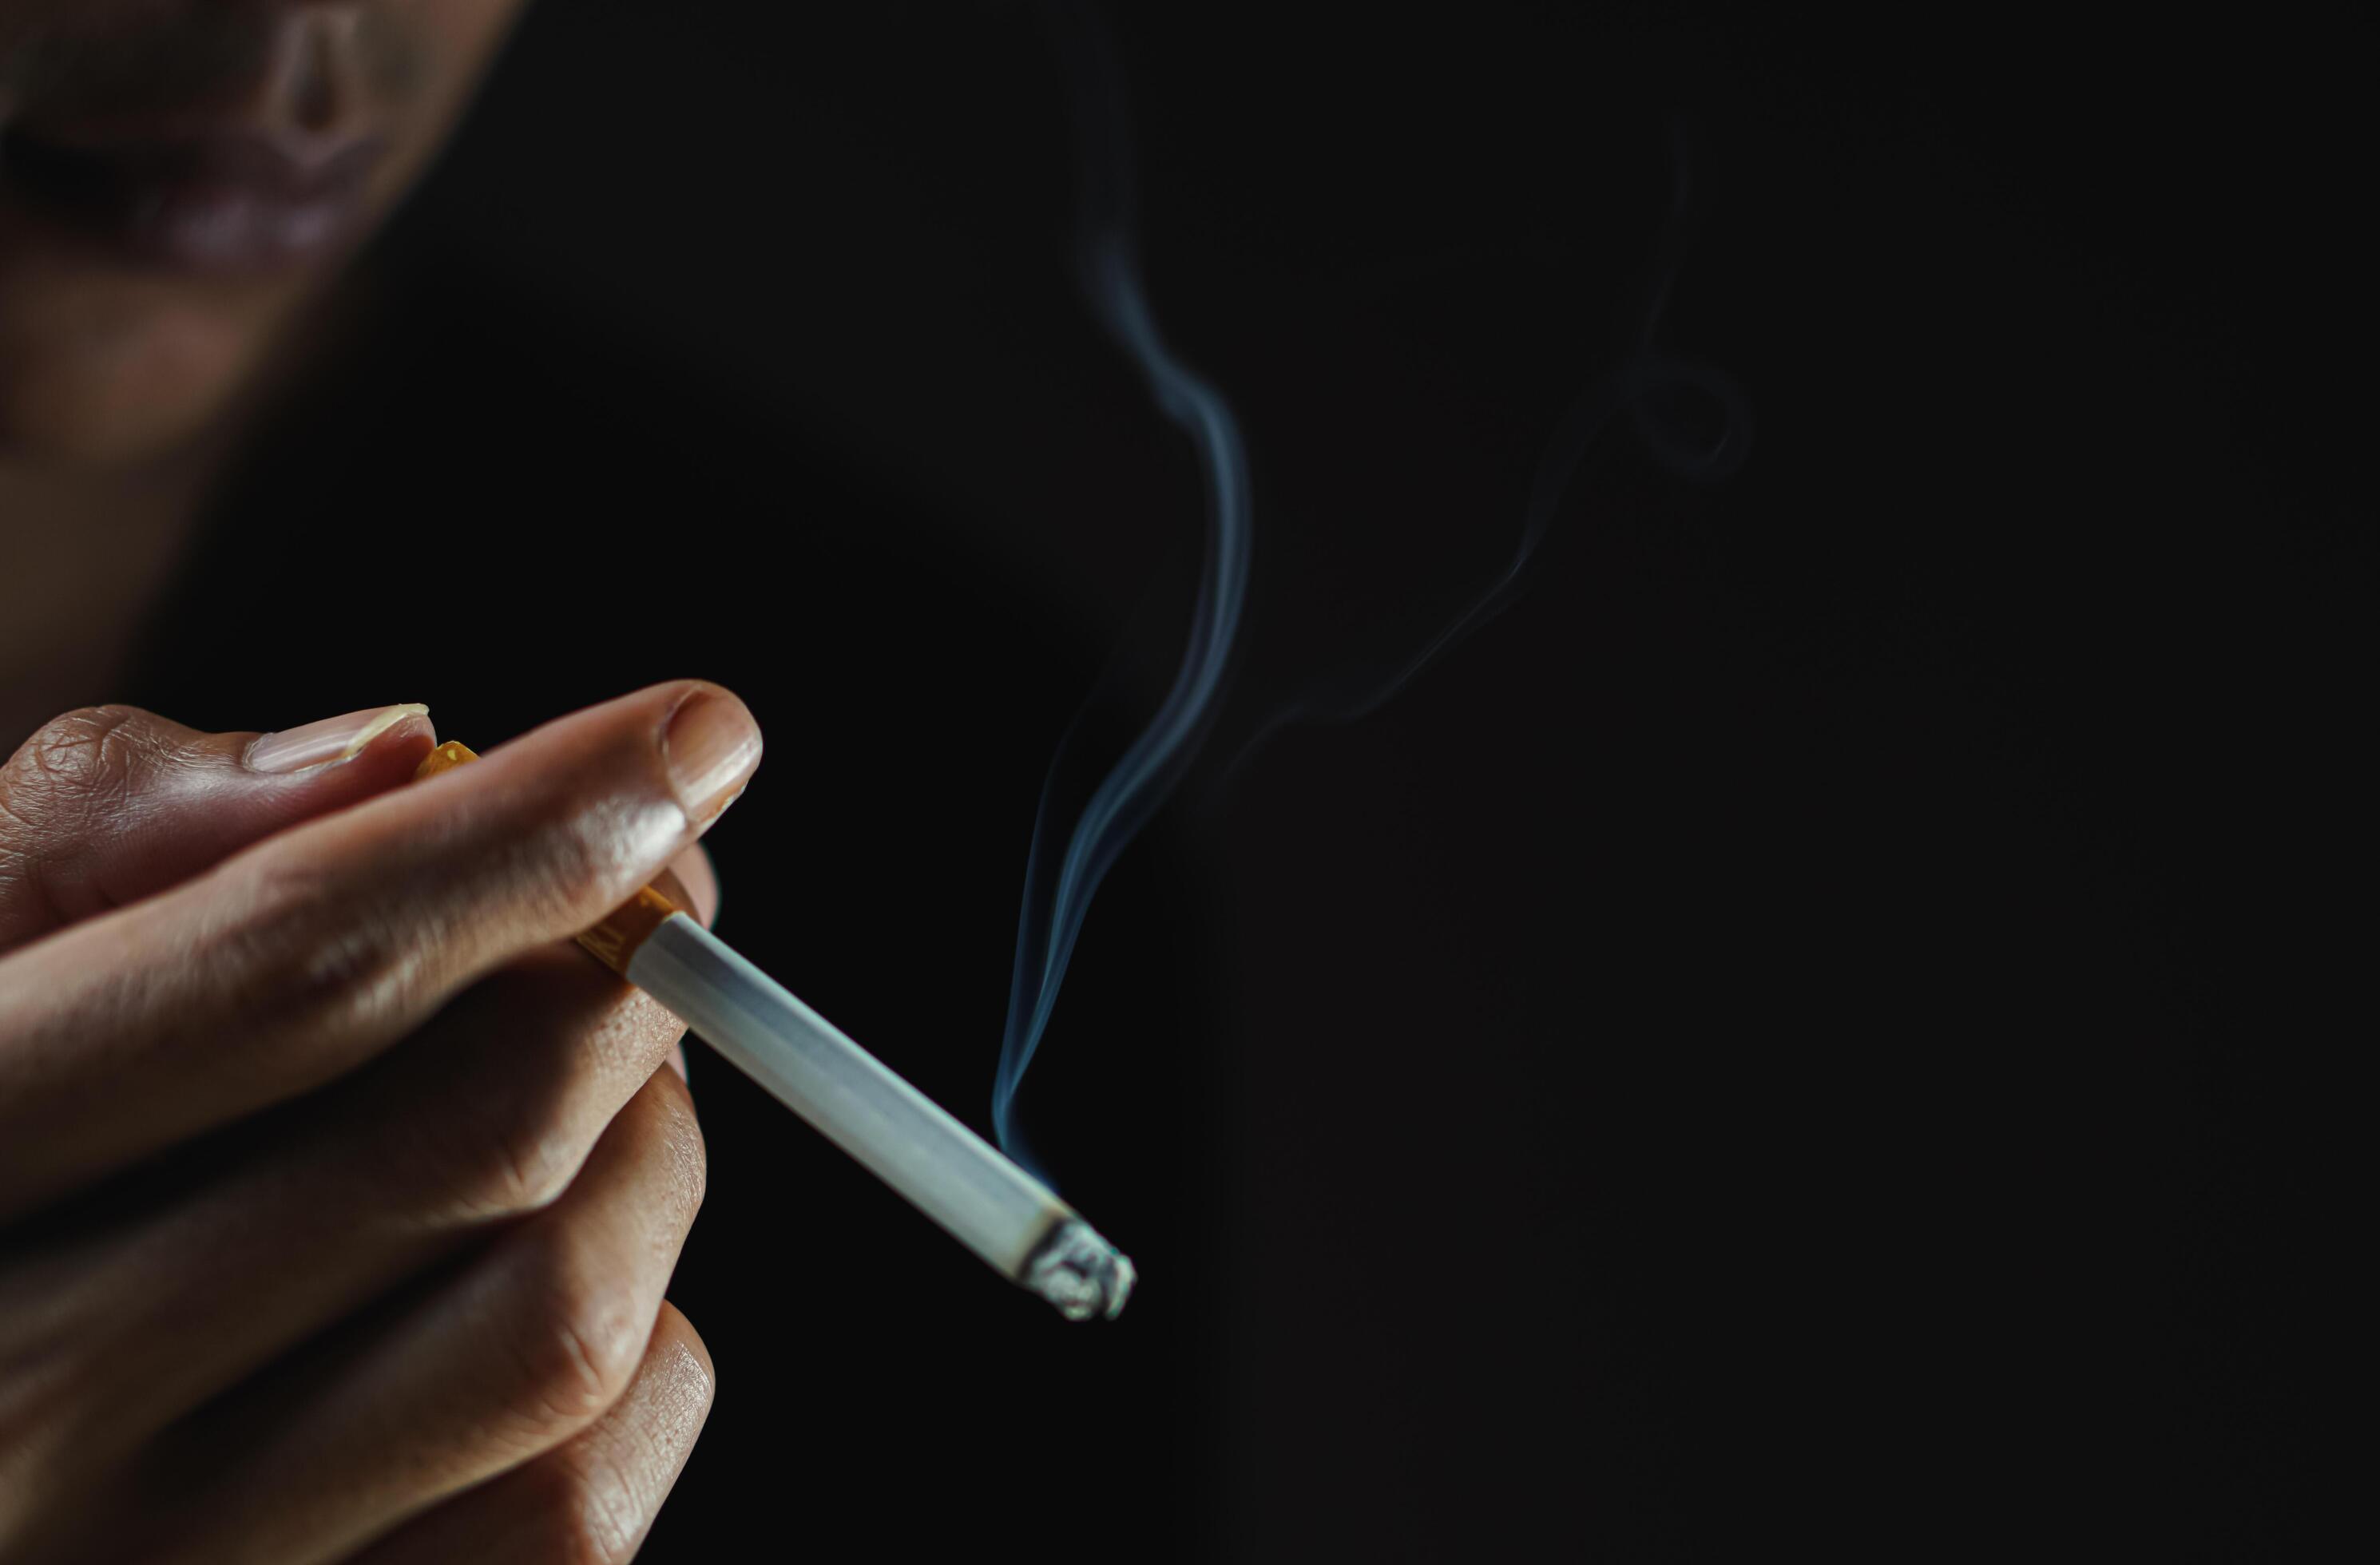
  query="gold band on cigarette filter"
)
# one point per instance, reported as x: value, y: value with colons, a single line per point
x: 615, y: 940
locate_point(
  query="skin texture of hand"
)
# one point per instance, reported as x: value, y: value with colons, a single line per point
x: 339, y: 1189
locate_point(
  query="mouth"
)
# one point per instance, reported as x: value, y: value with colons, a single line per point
x: 226, y: 201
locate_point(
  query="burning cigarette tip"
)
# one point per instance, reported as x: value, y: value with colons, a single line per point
x: 1080, y: 1273
x: 898, y: 1133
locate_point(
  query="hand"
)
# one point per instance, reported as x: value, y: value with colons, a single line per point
x: 338, y: 1190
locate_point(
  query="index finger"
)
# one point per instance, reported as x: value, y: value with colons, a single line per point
x: 295, y: 961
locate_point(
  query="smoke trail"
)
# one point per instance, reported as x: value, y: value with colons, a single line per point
x: 1656, y: 389
x: 1061, y: 881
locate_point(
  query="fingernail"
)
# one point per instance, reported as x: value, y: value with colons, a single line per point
x: 333, y: 739
x: 712, y: 745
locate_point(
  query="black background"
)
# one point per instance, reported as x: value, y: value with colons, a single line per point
x: 1803, y: 1030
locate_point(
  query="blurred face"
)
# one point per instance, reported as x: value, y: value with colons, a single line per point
x: 177, y: 176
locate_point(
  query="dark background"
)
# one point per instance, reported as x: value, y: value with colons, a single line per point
x: 1807, y: 1027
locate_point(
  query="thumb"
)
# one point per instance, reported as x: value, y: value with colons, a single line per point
x: 109, y: 805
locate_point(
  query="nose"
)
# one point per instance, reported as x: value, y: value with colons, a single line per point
x: 293, y: 69
x: 321, y: 90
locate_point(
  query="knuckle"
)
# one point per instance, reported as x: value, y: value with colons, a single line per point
x: 309, y: 956
x: 581, y: 847
x: 75, y: 766
x: 596, y: 844
x: 580, y: 1344
x: 534, y: 1076
x: 91, y: 749
x: 522, y: 1155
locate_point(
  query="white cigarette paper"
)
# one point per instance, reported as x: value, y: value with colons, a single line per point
x: 944, y: 1170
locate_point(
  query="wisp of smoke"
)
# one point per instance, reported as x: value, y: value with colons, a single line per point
x: 1066, y: 863
x: 1693, y: 420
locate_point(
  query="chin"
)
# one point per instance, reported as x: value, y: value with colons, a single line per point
x: 106, y: 373
x: 82, y: 420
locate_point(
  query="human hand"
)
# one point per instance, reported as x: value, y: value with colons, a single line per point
x: 339, y: 1189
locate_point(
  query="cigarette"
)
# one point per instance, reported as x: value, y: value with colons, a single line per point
x: 983, y: 1199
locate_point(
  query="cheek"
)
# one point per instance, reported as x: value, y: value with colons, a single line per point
x: 422, y: 62
x: 467, y: 26
x: 438, y: 49
x: 99, y: 363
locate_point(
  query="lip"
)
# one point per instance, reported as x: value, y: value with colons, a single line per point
x: 226, y: 201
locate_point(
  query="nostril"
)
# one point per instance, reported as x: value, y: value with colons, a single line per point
x: 314, y: 90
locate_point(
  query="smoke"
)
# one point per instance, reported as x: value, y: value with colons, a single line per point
x: 1065, y: 864
x: 1690, y: 417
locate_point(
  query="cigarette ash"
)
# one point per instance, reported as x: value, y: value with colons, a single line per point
x: 1079, y: 1272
